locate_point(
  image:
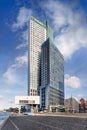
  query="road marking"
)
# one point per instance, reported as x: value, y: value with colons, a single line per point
x: 45, y: 124
x: 13, y: 124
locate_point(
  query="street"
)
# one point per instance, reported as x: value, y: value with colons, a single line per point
x: 45, y: 123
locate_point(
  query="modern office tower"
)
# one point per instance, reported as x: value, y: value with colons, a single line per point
x: 52, y: 75
x: 45, y: 69
x: 46, y: 66
x: 37, y: 35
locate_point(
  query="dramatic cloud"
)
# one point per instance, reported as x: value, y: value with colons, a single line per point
x: 69, y: 27
x: 22, y: 18
x: 72, y: 81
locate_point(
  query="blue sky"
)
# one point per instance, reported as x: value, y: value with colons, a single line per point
x: 68, y: 19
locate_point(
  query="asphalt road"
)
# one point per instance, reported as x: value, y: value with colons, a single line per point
x: 45, y: 123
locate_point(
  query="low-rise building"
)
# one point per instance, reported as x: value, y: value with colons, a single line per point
x: 71, y: 105
x: 32, y: 102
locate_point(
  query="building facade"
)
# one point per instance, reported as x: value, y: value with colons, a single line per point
x: 52, y: 75
x: 31, y: 102
x: 45, y: 69
x: 37, y: 35
x: 71, y: 105
x: 46, y: 66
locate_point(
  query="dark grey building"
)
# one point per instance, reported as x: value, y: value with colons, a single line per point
x: 52, y: 75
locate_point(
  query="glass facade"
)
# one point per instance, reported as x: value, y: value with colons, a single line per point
x: 52, y: 75
x: 46, y: 65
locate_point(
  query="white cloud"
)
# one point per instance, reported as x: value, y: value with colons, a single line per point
x: 1, y: 97
x: 11, y: 75
x: 11, y: 101
x: 5, y: 104
x: 21, y: 60
x: 79, y: 96
x: 69, y: 26
x: 72, y: 81
x: 24, y: 40
x: 15, y: 76
x: 71, y: 41
x: 22, y: 18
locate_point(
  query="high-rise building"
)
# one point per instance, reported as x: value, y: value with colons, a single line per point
x: 52, y: 75
x: 37, y: 35
x: 46, y: 65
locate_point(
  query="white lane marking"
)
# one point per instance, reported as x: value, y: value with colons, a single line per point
x: 45, y: 124
x: 13, y: 124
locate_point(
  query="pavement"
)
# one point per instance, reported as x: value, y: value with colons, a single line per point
x: 45, y: 123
